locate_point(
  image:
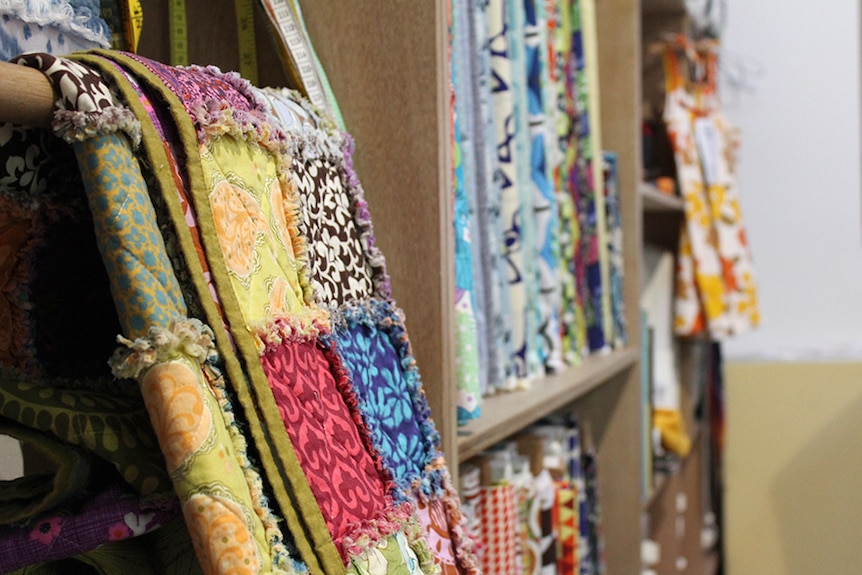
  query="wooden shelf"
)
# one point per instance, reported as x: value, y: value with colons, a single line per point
x: 507, y: 413
x: 654, y: 200
x: 661, y: 480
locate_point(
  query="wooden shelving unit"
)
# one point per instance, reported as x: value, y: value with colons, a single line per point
x: 504, y: 412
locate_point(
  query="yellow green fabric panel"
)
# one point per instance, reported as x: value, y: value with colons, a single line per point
x: 252, y: 214
x: 203, y: 464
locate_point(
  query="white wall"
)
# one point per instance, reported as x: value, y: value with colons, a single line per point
x: 792, y: 473
x: 799, y: 172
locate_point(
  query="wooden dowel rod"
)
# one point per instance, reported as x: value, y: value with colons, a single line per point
x: 26, y: 96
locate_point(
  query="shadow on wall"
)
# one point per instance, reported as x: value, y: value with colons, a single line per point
x: 817, y: 499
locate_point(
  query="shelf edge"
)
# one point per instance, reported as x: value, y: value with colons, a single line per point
x: 507, y: 413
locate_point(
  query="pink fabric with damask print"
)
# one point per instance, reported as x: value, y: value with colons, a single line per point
x: 343, y: 477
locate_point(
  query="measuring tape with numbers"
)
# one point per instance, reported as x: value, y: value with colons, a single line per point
x: 246, y: 40
x: 178, y: 33
x: 132, y: 18
x: 298, y: 50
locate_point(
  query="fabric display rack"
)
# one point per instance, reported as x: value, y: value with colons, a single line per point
x: 215, y: 363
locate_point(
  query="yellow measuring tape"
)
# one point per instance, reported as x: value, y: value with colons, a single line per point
x: 178, y: 32
x: 130, y: 16
x: 246, y: 41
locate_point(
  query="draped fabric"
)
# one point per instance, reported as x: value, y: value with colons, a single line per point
x: 716, y: 291
x: 235, y: 235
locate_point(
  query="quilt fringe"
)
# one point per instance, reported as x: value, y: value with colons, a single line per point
x: 275, y: 331
x: 401, y: 518
x: 188, y: 336
x: 75, y: 126
x: 362, y: 217
x: 194, y: 339
x: 435, y: 482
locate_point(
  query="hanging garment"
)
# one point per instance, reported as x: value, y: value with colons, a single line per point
x: 264, y: 403
x: 715, y: 280
x: 717, y: 142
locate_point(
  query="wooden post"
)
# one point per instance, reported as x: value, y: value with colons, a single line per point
x: 26, y: 96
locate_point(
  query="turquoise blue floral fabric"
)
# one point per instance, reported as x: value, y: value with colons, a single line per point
x: 371, y: 341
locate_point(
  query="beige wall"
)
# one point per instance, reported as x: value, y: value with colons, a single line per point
x: 793, y: 469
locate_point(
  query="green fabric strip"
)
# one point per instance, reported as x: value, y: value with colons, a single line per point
x: 292, y: 492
